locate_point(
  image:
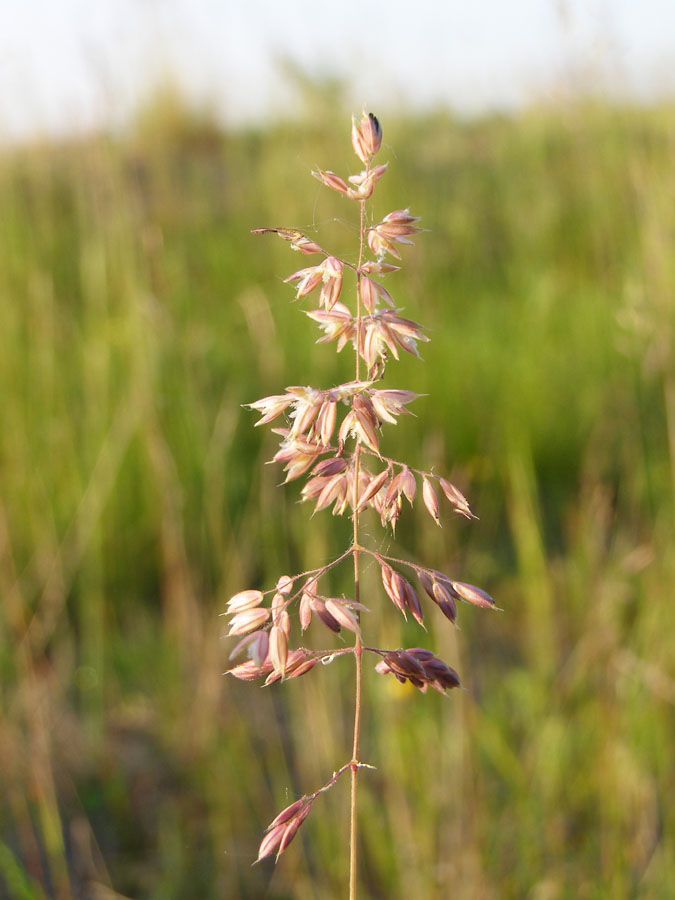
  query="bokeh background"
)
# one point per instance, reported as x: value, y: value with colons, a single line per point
x: 140, y: 143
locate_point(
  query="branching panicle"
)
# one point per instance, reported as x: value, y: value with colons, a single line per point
x: 332, y: 436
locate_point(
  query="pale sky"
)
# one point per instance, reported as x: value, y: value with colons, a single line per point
x: 73, y: 63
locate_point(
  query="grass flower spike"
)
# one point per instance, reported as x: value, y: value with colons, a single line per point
x: 333, y: 437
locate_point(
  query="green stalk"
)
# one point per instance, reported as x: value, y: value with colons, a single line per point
x: 358, y: 647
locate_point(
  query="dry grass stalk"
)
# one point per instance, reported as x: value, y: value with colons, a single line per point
x: 346, y: 470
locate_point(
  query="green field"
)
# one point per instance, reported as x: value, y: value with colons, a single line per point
x: 138, y: 314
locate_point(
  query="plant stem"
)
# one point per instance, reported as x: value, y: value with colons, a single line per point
x: 358, y: 647
x: 358, y: 650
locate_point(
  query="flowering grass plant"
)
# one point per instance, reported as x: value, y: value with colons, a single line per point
x: 332, y: 437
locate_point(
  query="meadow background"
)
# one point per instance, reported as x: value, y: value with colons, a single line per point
x: 138, y: 314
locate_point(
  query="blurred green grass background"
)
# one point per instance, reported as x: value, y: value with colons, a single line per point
x: 139, y: 314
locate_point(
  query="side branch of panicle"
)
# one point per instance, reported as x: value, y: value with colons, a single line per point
x: 297, y: 239
x: 420, y: 667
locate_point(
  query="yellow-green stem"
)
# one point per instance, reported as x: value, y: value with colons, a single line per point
x: 358, y: 646
x: 358, y: 650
